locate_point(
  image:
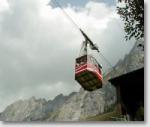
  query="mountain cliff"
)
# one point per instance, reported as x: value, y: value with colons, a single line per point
x: 31, y: 109
x: 62, y: 108
x: 84, y: 104
x: 78, y: 105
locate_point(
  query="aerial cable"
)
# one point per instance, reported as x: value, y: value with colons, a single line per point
x: 65, y: 13
x: 93, y: 46
x: 111, y: 66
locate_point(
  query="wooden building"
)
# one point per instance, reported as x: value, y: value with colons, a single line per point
x: 130, y: 93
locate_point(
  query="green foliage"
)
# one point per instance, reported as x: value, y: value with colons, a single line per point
x: 133, y: 16
x: 140, y: 114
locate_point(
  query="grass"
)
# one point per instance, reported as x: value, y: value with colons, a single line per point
x: 114, y: 115
x: 104, y: 117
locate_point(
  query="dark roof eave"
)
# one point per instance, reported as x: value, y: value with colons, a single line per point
x: 119, y: 79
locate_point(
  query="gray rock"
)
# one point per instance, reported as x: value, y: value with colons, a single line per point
x: 24, y: 110
x: 84, y: 104
x: 31, y: 110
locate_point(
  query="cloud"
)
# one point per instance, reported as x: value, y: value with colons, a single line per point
x: 38, y: 46
x: 3, y: 5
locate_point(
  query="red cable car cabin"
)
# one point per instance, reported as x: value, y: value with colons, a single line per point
x: 88, y: 73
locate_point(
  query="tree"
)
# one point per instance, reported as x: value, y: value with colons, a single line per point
x: 133, y: 16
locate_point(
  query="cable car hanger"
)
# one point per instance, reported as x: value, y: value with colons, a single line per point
x: 87, y: 39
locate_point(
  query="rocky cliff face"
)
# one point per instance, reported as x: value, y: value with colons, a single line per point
x: 31, y: 109
x: 24, y: 110
x: 76, y: 106
x: 84, y: 104
x: 63, y: 108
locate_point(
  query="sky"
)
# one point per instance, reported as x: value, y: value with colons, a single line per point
x: 80, y: 3
x: 38, y: 45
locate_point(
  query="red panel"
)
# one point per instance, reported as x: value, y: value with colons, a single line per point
x: 89, y: 67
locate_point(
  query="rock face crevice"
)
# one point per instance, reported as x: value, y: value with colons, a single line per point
x: 77, y: 105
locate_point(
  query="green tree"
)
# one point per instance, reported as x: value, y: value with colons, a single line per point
x: 132, y: 14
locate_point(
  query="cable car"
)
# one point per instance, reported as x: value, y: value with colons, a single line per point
x: 87, y: 70
x: 88, y: 73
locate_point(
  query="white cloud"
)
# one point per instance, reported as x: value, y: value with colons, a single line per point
x: 3, y: 5
x: 38, y: 46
